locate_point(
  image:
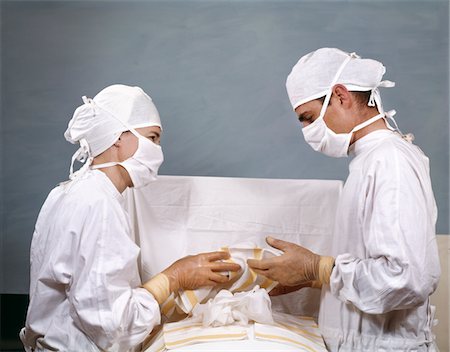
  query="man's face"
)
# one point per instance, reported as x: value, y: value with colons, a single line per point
x: 129, y: 142
x: 336, y: 118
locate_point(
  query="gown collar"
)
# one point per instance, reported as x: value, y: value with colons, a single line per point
x: 368, y: 141
x: 108, y: 186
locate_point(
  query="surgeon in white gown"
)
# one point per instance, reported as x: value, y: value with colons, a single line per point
x: 384, y: 265
x: 85, y: 289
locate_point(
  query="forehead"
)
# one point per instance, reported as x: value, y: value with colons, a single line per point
x: 147, y: 130
x: 310, y: 106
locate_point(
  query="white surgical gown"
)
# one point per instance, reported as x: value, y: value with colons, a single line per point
x: 84, y: 289
x: 387, y: 261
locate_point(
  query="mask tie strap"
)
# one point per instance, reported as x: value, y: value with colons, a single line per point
x: 367, y: 123
x: 390, y: 115
x: 409, y: 137
x: 104, y: 165
x: 333, y: 82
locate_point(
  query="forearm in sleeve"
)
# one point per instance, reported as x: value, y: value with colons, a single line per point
x: 380, y: 285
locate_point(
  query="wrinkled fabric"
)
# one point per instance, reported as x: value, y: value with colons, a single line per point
x: 300, y: 332
x: 312, y: 76
x: 239, y: 308
x: 84, y: 289
x: 286, y: 333
x: 129, y: 104
x: 98, y: 129
x: 387, y: 262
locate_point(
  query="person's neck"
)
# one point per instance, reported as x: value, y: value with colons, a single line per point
x: 377, y: 125
x: 116, y: 174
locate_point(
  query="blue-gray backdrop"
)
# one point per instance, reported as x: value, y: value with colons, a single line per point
x: 216, y: 71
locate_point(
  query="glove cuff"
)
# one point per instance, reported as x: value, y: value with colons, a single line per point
x: 159, y: 287
x: 326, y: 265
x: 316, y: 284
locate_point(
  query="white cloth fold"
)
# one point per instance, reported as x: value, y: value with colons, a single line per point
x: 286, y: 332
x: 239, y: 308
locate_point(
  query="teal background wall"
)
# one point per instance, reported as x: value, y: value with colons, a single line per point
x: 216, y: 71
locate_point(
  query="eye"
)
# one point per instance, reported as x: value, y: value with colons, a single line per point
x: 305, y: 118
x: 154, y: 137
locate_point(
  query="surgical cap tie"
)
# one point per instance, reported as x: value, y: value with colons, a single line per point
x: 375, y: 97
x: 83, y: 155
x: 87, y: 100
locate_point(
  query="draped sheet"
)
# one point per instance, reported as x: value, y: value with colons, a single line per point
x: 287, y: 332
x: 180, y: 215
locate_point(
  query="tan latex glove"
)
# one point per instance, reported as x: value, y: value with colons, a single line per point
x: 296, y: 266
x: 194, y: 271
x: 190, y: 273
x: 282, y: 290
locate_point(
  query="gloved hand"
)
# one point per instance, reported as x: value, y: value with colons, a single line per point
x: 282, y: 290
x: 189, y: 273
x: 296, y: 266
x: 194, y: 271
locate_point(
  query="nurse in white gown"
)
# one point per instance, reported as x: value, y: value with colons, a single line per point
x: 85, y: 289
x: 384, y: 264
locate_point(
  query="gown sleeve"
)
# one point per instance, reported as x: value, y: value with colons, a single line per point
x: 400, y: 268
x: 106, y: 302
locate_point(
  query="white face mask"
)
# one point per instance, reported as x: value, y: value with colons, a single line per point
x: 143, y: 165
x: 323, y: 139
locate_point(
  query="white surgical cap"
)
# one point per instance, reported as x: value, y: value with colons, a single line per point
x: 312, y: 77
x: 99, y: 122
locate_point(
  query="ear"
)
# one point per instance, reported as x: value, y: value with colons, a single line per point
x: 342, y: 96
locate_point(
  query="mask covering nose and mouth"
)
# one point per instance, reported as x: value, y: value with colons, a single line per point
x: 322, y: 139
x: 143, y: 165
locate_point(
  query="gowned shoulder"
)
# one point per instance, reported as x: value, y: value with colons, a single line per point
x: 81, y: 202
x: 93, y: 190
x: 393, y: 157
